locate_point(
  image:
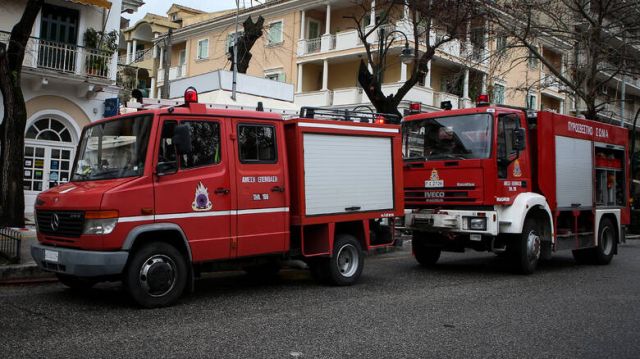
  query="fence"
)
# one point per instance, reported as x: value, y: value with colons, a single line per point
x: 10, y: 244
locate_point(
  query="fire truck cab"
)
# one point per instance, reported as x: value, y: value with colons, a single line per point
x: 515, y: 182
x: 159, y: 196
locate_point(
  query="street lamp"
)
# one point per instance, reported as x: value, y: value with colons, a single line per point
x: 406, y: 56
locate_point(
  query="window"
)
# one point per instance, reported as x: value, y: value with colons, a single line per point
x: 506, y: 125
x: 203, y: 49
x: 205, y: 142
x: 230, y: 40
x: 257, y: 143
x: 533, y: 60
x: 498, y: 94
x: 531, y: 102
x: 275, y: 33
x: 275, y: 76
x: 49, y: 129
x: 501, y: 42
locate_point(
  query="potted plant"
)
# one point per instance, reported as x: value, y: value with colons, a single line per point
x: 99, y: 47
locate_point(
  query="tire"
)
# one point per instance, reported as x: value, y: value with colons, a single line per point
x: 607, y: 242
x: 345, y: 265
x: 76, y: 283
x: 156, y: 275
x: 527, y: 247
x: 603, y: 253
x: 425, y: 255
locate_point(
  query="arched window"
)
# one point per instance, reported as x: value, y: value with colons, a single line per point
x: 49, y: 129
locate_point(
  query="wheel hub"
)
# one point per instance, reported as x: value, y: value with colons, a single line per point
x: 347, y: 260
x: 533, y: 246
x: 607, y: 241
x: 157, y: 275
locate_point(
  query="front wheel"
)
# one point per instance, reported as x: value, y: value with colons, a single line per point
x: 527, y: 248
x: 607, y: 242
x: 156, y: 276
x: 425, y: 255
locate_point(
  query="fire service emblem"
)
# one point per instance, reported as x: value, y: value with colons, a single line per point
x: 434, y: 181
x: 201, y: 201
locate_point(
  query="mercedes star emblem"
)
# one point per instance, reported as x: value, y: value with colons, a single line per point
x: 55, y: 222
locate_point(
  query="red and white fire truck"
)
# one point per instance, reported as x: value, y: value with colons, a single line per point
x: 159, y: 196
x: 517, y: 183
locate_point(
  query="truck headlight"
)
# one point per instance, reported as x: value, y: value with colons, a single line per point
x: 100, y: 222
x: 477, y: 223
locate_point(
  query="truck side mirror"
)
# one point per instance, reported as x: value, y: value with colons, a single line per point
x: 182, y: 139
x: 519, y: 136
x: 167, y: 168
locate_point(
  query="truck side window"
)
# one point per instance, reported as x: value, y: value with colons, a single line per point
x: 205, y: 141
x: 506, y: 124
x: 167, y: 153
x: 257, y: 143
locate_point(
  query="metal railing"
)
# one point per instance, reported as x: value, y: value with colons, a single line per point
x: 10, y: 244
x: 65, y: 58
x: 313, y: 45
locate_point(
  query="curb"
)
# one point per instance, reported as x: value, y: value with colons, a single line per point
x: 23, y: 273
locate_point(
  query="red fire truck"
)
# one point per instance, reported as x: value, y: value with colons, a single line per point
x: 518, y: 183
x: 159, y: 196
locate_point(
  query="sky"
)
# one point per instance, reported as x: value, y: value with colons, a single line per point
x: 160, y: 7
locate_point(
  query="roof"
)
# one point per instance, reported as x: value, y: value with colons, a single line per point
x: 177, y: 7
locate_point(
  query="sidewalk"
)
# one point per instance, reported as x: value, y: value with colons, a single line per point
x: 27, y: 270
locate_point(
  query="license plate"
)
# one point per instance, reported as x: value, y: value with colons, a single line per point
x: 476, y: 237
x: 50, y: 256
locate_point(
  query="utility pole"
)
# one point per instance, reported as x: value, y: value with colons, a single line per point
x: 235, y: 55
x: 166, y: 63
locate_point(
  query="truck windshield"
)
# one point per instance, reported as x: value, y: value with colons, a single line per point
x: 454, y: 137
x: 113, y: 149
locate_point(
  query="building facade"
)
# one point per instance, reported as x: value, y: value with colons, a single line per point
x: 65, y: 83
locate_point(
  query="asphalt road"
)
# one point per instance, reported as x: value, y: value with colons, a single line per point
x: 470, y: 306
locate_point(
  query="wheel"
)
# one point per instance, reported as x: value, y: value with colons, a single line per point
x: 607, y: 242
x: 156, y: 276
x: 76, y: 283
x: 603, y: 252
x: 526, y: 251
x: 425, y: 255
x: 265, y: 270
x: 345, y: 264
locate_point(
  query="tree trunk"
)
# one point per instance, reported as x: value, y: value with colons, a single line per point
x: 252, y: 32
x: 15, y: 118
x: 373, y: 89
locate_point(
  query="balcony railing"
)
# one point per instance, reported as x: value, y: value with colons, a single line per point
x: 175, y: 72
x: 139, y: 56
x: 313, y: 45
x: 65, y: 58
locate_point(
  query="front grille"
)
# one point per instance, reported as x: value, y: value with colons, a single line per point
x: 438, y: 195
x: 70, y: 223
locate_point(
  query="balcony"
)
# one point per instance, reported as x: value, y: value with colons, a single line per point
x: 66, y: 59
x: 139, y: 56
x: 175, y: 72
x: 355, y: 96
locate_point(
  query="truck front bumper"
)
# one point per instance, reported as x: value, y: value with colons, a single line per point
x: 451, y: 221
x: 78, y: 262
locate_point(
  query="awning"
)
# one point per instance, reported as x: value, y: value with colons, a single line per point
x: 99, y: 3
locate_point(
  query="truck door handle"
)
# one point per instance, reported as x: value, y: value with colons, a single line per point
x: 354, y: 208
x: 277, y: 189
x: 221, y: 190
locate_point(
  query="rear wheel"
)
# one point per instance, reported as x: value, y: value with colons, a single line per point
x: 425, y: 255
x: 526, y: 247
x: 156, y: 276
x: 76, y: 283
x: 606, y: 248
x: 345, y: 265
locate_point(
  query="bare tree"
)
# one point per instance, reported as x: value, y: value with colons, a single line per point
x: 600, y: 37
x: 15, y: 118
x: 428, y: 25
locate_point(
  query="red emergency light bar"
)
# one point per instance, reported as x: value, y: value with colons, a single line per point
x: 190, y: 95
x: 482, y: 100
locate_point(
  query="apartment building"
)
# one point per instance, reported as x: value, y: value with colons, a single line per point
x: 315, y: 46
x: 65, y: 83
